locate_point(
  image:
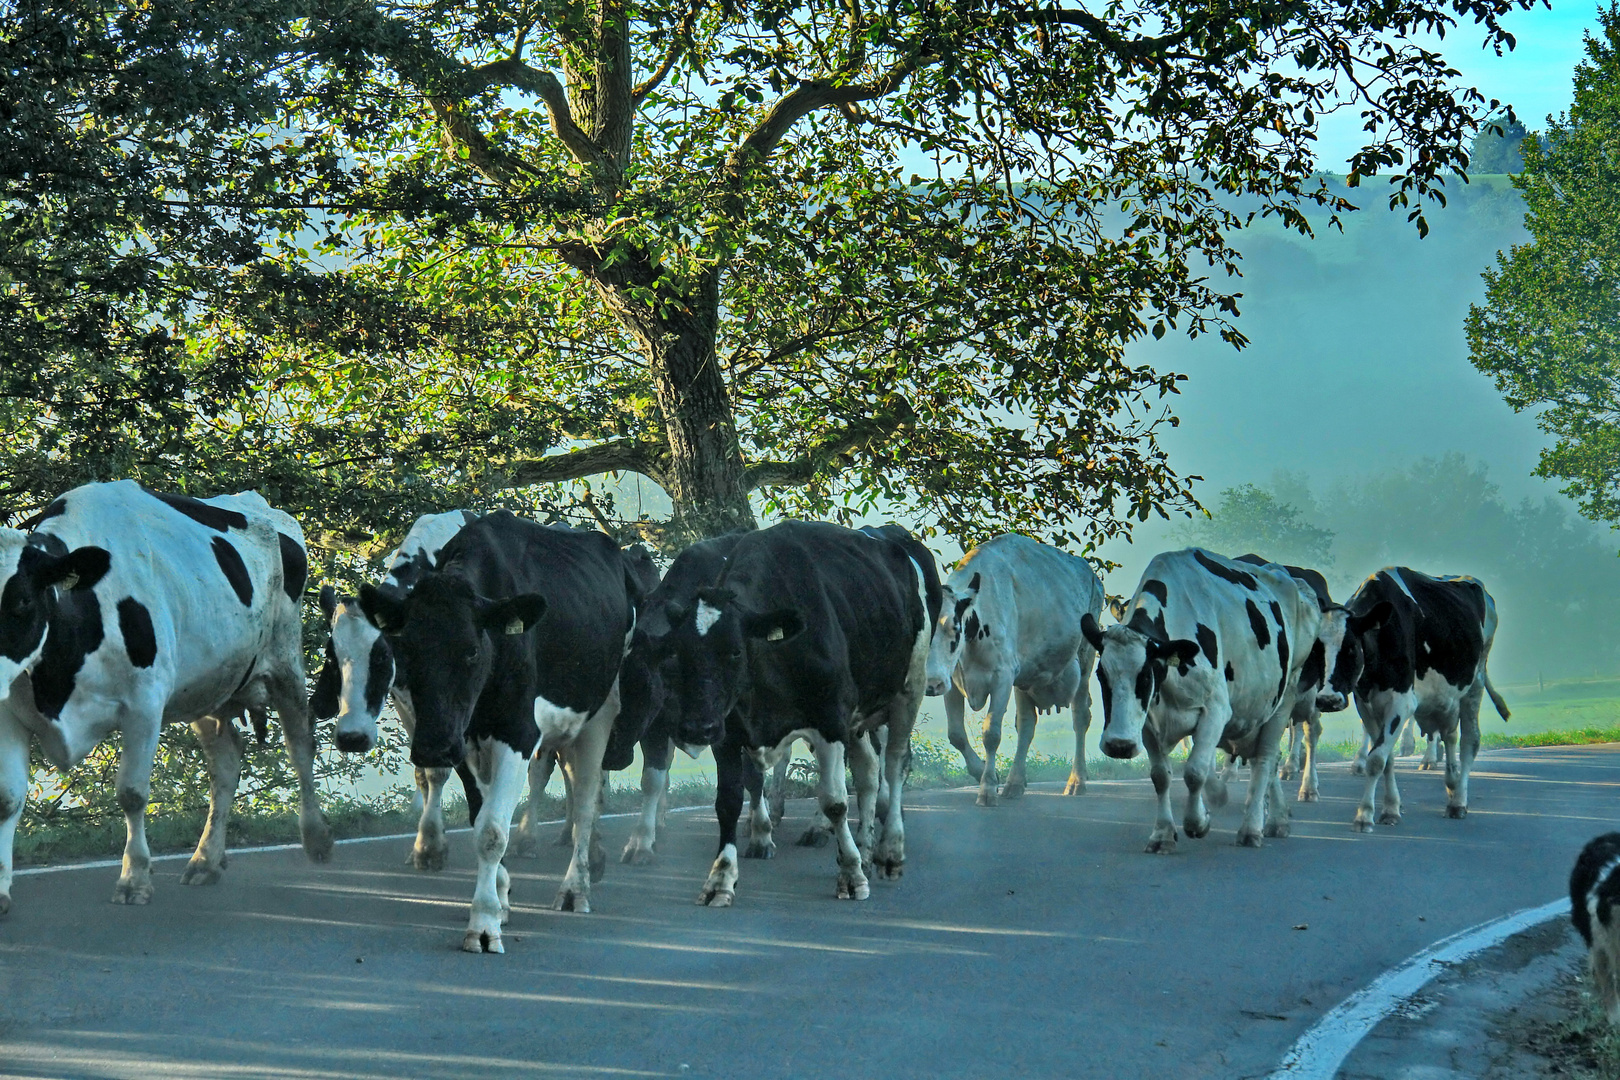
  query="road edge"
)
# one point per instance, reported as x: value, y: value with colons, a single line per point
x: 1317, y: 1054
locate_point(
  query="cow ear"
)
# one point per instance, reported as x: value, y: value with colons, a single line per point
x: 328, y: 601
x: 973, y: 586
x: 1178, y: 652
x: 1373, y: 619
x: 1093, y: 632
x: 782, y: 625
x: 80, y: 568
x: 515, y: 615
x: 386, y: 612
x: 323, y: 703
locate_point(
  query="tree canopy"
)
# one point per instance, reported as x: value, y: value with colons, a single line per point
x: 1549, y: 329
x: 378, y: 259
x: 1253, y: 519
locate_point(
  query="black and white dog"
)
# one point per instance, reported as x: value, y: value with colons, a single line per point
x: 1594, y: 888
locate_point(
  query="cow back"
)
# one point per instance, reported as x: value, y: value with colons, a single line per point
x: 1439, y: 623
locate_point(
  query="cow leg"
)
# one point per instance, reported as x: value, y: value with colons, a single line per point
x: 1266, y: 812
x: 565, y: 835
x: 1293, y: 759
x: 877, y: 739
x: 863, y: 769
x: 1358, y: 767
x: 1163, y: 840
x: 890, y: 856
x: 956, y: 731
x: 1215, y: 785
x: 852, y: 883
x: 1380, y: 762
x: 720, y: 888
x: 1080, y: 710
x: 1462, y: 744
x: 1000, y: 694
x: 1307, y: 781
x: 13, y: 792
x: 134, y: 786
x: 778, y: 789
x: 582, y: 768
x: 222, y: 748
x: 1200, y: 768
x: 1431, y: 753
x: 761, y: 845
x: 431, y: 851
x: 655, y: 761
x: 1017, y: 780
x: 298, y: 732
x: 500, y: 774
x: 1409, y: 743
x: 526, y: 837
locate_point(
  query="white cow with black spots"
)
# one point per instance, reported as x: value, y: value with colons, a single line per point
x: 1212, y: 650
x: 125, y: 610
x: 1009, y: 629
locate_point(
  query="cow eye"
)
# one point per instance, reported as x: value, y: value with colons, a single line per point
x: 472, y: 655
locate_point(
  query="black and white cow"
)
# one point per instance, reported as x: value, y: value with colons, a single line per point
x: 1212, y: 649
x: 362, y: 672
x: 1327, y: 680
x: 1009, y: 628
x: 127, y: 609
x: 818, y: 632
x: 513, y: 643
x: 1426, y: 659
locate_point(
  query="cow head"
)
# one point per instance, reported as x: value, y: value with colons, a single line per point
x: 447, y: 636
x: 958, y: 624
x: 1341, y: 638
x: 359, y: 671
x: 708, y: 644
x: 1131, y: 667
x: 30, y: 576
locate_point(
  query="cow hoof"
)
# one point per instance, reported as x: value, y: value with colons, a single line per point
x: 637, y: 852
x: 890, y: 869
x: 1362, y: 826
x: 986, y: 798
x: 1278, y: 830
x: 760, y: 849
x: 5, y: 905
x: 1161, y: 847
x: 430, y: 858
x: 1389, y: 819
x: 523, y: 846
x: 1458, y: 812
x: 1011, y: 790
x: 482, y: 941
x: 776, y: 818
x: 198, y: 872
x: 716, y: 897
x: 1075, y: 786
x: 815, y: 836
x: 132, y: 892
x: 1249, y: 839
x: 1194, y: 830
x: 1308, y: 796
x: 318, y: 843
x: 564, y: 838
x: 569, y: 900
x: 1285, y: 773
x: 1358, y: 768
x: 853, y: 888
x: 1426, y: 766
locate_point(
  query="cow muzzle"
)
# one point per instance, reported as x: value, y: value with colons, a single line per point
x: 934, y: 687
x: 1123, y: 749
x: 354, y: 742
x: 1332, y: 702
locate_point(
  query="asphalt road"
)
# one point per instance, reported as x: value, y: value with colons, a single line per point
x: 1035, y: 939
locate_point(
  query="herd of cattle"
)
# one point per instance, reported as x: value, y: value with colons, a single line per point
x: 507, y: 646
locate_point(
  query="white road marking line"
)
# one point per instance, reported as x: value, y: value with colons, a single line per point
x: 102, y: 864
x: 1318, y: 1053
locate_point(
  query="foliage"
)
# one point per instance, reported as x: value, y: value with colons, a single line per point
x: 1549, y: 330
x: 1251, y: 519
x: 826, y: 255
x: 1495, y: 148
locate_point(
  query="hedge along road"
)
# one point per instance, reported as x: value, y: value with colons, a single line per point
x: 1033, y: 939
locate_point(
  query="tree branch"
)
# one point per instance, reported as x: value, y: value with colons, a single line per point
x: 616, y: 455
x: 544, y: 85
x: 863, y: 434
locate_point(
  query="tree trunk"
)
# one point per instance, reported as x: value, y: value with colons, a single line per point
x: 705, y: 473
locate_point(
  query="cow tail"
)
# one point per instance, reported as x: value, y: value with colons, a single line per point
x: 1496, y: 699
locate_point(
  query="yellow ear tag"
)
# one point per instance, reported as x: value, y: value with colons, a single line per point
x: 515, y: 626
x: 775, y: 634
x: 68, y: 583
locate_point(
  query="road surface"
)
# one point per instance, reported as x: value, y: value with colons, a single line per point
x: 1035, y: 939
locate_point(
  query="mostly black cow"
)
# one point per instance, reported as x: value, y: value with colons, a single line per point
x: 125, y: 610
x: 1426, y: 658
x: 513, y: 643
x: 817, y: 632
x: 1212, y: 649
x: 1009, y: 628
